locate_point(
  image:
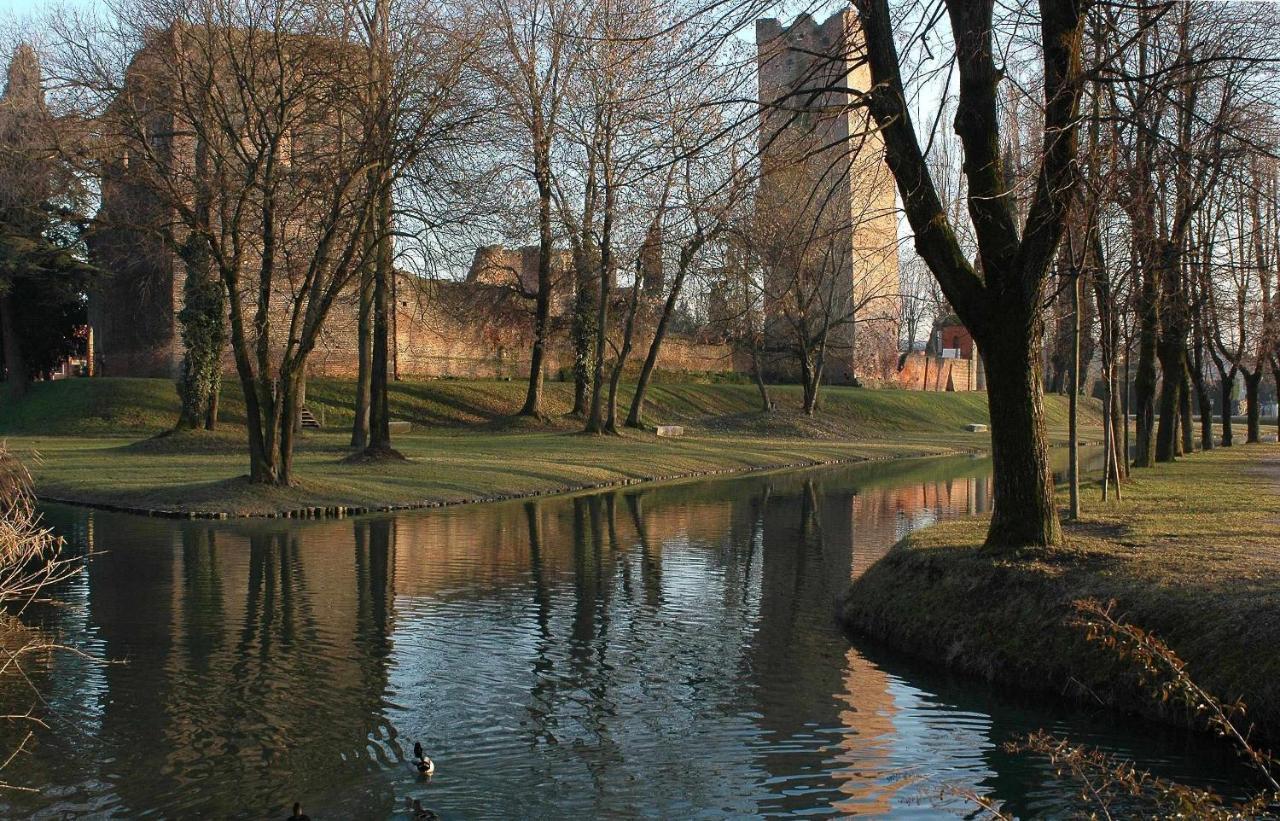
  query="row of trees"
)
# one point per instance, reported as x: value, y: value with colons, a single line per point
x: 1119, y: 166
x: 287, y: 154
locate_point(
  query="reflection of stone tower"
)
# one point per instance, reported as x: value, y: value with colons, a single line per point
x: 826, y: 205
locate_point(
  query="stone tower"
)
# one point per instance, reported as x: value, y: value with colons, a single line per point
x: 826, y: 209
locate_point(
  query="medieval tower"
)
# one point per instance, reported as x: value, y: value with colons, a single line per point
x: 826, y: 215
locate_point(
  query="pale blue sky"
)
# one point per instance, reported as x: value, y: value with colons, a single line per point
x: 22, y: 8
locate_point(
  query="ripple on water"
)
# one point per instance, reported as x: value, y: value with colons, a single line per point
x: 662, y: 652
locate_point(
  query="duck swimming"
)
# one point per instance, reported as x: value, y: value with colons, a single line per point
x: 425, y: 765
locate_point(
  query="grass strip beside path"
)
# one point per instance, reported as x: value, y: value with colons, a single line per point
x: 1192, y: 553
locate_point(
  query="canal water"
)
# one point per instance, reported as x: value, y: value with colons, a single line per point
x: 666, y: 651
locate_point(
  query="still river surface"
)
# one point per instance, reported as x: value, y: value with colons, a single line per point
x: 666, y: 652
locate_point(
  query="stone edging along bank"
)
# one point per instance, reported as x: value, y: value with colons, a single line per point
x: 343, y: 511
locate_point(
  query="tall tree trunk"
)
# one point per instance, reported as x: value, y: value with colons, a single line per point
x: 211, y: 412
x: 628, y: 334
x: 1125, y: 401
x: 1003, y: 304
x: 1184, y: 411
x: 203, y: 314
x: 15, y: 367
x: 635, y: 417
x: 293, y: 385
x: 1253, y: 418
x: 257, y: 406
x: 757, y: 373
x: 1073, y: 412
x: 595, y: 419
x: 1225, y: 387
x: 1024, y: 513
x: 1173, y: 365
x: 542, y: 302
x: 581, y: 332
x: 1275, y: 375
x: 1204, y: 404
x: 380, y: 372
x: 1145, y: 378
x: 810, y: 378
x: 364, y: 359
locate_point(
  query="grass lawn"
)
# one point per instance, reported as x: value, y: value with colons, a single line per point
x: 95, y: 442
x: 1191, y: 553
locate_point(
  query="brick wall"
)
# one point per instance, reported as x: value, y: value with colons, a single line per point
x: 920, y: 372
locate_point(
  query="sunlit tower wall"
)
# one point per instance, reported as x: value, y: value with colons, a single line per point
x: 826, y: 206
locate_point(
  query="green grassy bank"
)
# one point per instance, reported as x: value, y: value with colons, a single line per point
x: 96, y: 445
x: 1191, y: 554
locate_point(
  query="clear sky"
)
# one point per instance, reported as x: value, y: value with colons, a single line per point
x: 22, y: 8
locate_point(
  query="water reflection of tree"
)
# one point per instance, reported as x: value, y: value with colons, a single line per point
x: 650, y: 554
x: 257, y: 664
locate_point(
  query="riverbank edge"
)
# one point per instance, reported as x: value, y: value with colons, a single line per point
x: 941, y: 599
x: 344, y: 511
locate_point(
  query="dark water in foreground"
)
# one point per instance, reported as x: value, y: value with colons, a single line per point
x: 665, y: 652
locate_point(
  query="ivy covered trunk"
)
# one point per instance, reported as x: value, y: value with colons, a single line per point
x: 203, y: 316
x: 204, y: 335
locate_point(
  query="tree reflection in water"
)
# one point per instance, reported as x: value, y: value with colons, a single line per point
x: 660, y: 651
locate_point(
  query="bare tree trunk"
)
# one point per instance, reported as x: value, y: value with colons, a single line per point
x: 1203, y: 403
x: 290, y: 418
x: 628, y: 333
x: 809, y: 377
x: 1227, y: 381
x: 1275, y: 375
x: 581, y: 331
x: 211, y: 413
x: 15, y: 367
x: 1022, y: 480
x: 1073, y: 415
x: 757, y: 373
x: 635, y: 417
x: 1253, y: 418
x: 257, y: 406
x: 1124, y: 405
x: 364, y: 357
x: 542, y: 303
x: 1205, y: 406
x: 1184, y: 411
x: 595, y: 419
x: 1173, y: 365
x: 379, y: 402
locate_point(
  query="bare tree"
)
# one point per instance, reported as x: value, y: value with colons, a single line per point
x: 1001, y: 305
x: 531, y: 60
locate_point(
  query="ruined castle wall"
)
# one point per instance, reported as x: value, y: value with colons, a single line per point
x: 470, y: 330
x: 921, y: 372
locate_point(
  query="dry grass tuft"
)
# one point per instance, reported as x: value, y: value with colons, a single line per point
x: 31, y: 561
